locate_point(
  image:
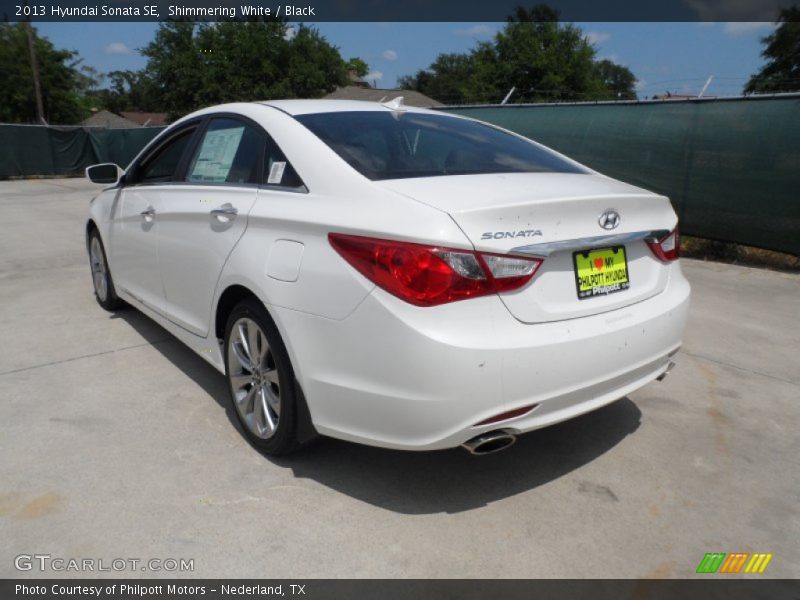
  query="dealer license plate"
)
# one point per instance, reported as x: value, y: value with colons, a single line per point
x: 600, y: 272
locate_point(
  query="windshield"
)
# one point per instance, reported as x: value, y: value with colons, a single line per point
x: 395, y: 145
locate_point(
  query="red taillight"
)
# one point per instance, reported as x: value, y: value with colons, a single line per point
x: 431, y: 275
x: 667, y: 248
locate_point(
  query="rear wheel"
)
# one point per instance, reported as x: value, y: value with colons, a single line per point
x: 260, y: 379
x: 101, y: 276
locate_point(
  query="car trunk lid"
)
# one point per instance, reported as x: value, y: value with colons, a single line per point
x: 554, y: 215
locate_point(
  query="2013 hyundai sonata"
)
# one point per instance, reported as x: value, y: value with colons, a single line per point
x: 387, y: 275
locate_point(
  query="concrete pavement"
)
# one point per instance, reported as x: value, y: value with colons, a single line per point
x: 115, y: 442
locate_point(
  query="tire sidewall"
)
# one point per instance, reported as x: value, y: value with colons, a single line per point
x: 284, y: 439
x: 111, y: 301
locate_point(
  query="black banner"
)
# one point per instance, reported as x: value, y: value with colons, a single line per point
x: 732, y: 588
x: 385, y: 10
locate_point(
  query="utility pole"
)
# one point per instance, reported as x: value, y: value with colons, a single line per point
x: 37, y: 88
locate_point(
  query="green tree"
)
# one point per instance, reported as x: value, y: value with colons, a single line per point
x: 542, y: 59
x: 190, y: 65
x: 619, y: 81
x: 782, y: 52
x: 63, y: 84
x: 357, y: 66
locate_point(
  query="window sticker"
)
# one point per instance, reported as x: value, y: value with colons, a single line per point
x: 216, y: 155
x: 276, y: 172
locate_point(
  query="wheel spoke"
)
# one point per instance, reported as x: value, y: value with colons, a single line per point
x: 242, y: 333
x: 271, y: 375
x: 241, y: 357
x: 246, y: 401
x: 273, y: 401
x: 240, y: 381
x: 254, y: 345
x: 268, y: 421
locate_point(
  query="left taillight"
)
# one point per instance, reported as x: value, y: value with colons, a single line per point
x: 667, y: 248
x: 432, y: 275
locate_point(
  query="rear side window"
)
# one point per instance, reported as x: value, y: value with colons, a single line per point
x: 229, y: 152
x: 162, y: 165
x: 393, y: 145
x: 278, y: 172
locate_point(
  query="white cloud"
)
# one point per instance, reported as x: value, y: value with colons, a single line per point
x: 741, y: 28
x: 640, y: 84
x: 597, y: 37
x: 476, y: 31
x: 117, y: 48
x: 389, y: 55
x: 289, y: 33
x: 373, y: 76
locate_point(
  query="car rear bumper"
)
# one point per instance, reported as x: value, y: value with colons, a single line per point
x: 400, y: 376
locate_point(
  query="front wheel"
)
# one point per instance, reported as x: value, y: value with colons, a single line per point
x: 260, y: 379
x: 101, y: 276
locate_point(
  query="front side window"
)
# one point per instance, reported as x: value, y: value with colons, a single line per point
x: 228, y: 153
x: 163, y: 164
x: 394, y: 145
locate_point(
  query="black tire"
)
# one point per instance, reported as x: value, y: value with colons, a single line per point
x: 273, y: 359
x: 103, y: 283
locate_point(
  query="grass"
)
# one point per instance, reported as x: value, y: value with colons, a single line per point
x: 738, y: 254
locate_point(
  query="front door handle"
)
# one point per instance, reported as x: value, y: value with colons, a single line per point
x: 148, y: 214
x: 225, y: 212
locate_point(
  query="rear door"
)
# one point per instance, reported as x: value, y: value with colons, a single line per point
x: 202, y: 218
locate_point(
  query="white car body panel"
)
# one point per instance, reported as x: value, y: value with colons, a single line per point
x: 373, y: 368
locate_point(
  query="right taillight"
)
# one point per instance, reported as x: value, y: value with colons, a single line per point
x: 667, y: 248
x: 432, y: 275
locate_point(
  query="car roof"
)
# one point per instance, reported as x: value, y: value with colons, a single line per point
x: 305, y: 107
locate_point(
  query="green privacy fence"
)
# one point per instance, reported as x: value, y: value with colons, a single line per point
x: 28, y: 150
x: 730, y: 166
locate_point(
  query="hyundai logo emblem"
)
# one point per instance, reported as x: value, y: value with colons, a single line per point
x: 609, y: 219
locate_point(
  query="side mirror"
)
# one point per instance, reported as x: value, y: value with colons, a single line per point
x: 104, y: 173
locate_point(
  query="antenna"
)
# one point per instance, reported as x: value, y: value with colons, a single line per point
x: 395, y: 104
x: 508, y: 95
x: 705, y: 87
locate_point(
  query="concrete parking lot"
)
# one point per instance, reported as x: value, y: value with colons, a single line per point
x: 115, y: 442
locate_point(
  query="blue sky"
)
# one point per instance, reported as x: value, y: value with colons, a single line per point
x: 664, y: 56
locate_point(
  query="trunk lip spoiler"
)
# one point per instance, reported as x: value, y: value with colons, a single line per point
x: 548, y: 248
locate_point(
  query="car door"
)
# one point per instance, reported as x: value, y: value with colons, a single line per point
x: 135, y: 226
x: 201, y: 219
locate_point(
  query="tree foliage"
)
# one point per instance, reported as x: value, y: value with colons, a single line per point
x: 63, y: 82
x: 782, y: 52
x: 544, y: 60
x: 193, y: 65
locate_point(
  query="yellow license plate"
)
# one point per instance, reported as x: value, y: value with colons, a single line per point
x: 601, y: 272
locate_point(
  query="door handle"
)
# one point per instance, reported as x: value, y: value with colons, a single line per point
x: 225, y: 212
x: 148, y: 214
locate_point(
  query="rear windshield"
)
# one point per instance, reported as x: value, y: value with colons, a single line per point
x: 395, y: 145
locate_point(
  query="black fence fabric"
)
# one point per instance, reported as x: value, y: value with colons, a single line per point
x: 730, y: 167
x: 31, y: 150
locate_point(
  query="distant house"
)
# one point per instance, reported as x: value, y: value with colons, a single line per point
x: 146, y: 119
x: 109, y: 120
x: 358, y: 92
x: 125, y: 120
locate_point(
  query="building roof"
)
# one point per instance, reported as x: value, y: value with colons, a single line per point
x: 109, y: 120
x: 410, y: 97
x: 146, y: 119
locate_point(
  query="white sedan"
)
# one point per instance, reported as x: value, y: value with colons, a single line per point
x: 387, y: 275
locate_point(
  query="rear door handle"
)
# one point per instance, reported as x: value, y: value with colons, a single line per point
x: 148, y: 214
x: 225, y: 212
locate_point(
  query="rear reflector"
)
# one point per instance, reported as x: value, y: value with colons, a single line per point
x: 431, y: 275
x: 517, y: 412
x: 666, y: 249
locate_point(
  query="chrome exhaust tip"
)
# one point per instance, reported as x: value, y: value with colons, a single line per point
x: 663, y: 376
x: 489, y: 443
